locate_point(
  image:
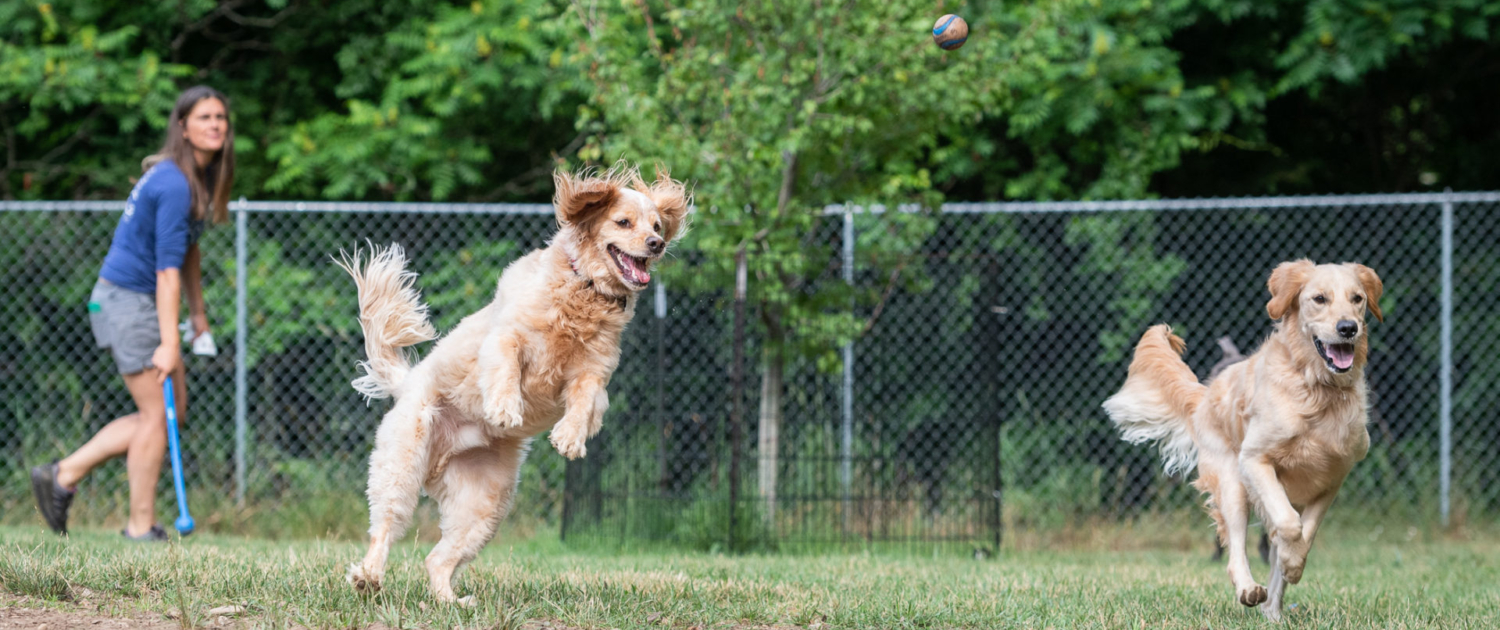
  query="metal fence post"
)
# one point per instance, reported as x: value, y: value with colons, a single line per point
x: 1445, y: 426
x: 241, y: 349
x: 737, y: 393
x: 846, y: 433
x: 663, y: 469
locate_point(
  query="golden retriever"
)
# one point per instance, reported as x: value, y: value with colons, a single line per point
x: 1278, y: 431
x: 538, y: 357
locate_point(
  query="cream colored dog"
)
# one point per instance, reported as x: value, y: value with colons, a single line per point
x: 1278, y: 431
x: 538, y: 357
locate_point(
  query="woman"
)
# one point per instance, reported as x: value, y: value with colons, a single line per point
x: 152, y: 261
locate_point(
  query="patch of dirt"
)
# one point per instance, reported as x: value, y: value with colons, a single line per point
x: 30, y: 613
x: 26, y: 613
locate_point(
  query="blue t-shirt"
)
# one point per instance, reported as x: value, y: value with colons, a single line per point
x: 155, y: 231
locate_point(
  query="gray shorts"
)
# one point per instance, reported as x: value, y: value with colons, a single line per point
x: 124, y: 321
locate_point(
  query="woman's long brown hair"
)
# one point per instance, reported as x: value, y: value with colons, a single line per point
x: 209, y: 185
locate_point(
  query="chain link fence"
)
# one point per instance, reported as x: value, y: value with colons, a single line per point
x: 969, y: 404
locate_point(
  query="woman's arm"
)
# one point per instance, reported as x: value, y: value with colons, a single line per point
x: 192, y: 286
x: 168, y: 356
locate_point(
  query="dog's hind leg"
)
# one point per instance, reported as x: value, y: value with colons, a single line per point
x: 397, y: 467
x: 1272, y: 606
x: 474, y: 494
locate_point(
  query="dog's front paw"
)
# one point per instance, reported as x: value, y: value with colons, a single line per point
x: 568, y: 438
x: 364, y: 582
x: 505, y: 411
x: 1252, y: 595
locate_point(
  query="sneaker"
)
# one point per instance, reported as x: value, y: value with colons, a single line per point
x: 52, y: 500
x: 155, y: 534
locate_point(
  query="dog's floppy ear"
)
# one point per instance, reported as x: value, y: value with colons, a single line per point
x: 580, y: 197
x: 1285, y: 283
x: 672, y: 200
x: 1373, y: 288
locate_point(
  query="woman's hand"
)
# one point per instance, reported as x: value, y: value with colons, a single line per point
x: 200, y: 324
x: 167, y: 359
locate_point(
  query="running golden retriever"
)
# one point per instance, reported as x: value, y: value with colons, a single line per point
x: 1278, y: 431
x: 538, y: 357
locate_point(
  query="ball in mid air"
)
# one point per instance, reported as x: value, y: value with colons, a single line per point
x: 950, y: 32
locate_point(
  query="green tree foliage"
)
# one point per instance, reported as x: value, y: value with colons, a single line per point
x: 76, y: 90
x: 777, y: 112
x: 355, y: 99
x: 432, y: 102
x: 474, y: 100
x: 774, y: 113
x: 1360, y: 97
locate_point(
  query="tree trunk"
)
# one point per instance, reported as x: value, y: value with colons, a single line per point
x: 770, y: 426
x: 771, y: 360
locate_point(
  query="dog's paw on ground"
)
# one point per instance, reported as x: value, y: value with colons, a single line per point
x: 363, y: 582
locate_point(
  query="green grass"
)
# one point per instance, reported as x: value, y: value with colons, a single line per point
x: 1356, y: 579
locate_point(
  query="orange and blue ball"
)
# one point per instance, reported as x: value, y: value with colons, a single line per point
x: 950, y: 32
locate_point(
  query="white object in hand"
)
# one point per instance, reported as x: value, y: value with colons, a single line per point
x: 203, y: 345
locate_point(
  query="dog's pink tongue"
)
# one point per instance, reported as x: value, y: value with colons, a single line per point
x: 637, y: 273
x: 1342, y: 355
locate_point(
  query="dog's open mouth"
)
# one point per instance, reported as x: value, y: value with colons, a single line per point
x: 1338, y: 356
x: 632, y: 269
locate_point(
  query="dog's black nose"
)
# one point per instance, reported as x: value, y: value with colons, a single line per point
x: 1347, y: 328
x: 655, y: 244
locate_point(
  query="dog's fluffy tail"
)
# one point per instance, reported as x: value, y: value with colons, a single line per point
x: 1157, y: 402
x: 392, y: 315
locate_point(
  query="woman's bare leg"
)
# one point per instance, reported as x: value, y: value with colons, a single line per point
x: 141, y: 437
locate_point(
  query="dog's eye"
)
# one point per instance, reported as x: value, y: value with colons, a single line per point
x: 624, y: 223
x: 1320, y: 299
x: 658, y: 227
x: 1357, y: 299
